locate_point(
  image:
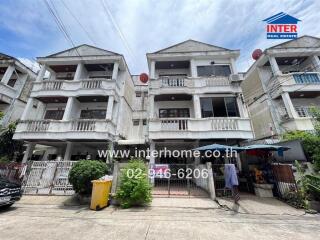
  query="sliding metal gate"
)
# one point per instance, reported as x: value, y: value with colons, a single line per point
x: 284, y: 179
x: 185, y: 180
x: 49, y: 177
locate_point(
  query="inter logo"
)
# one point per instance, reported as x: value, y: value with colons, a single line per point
x: 282, y: 26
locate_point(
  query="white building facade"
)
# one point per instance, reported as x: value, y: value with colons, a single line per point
x: 91, y: 102
x: 85, y: 105
x: 195, y: 99
x: 282, y: 86
x: 15, y: 87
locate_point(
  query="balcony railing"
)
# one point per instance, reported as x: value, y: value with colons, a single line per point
x: 56, y: 126
x: 192, y: 124
x: 306, y: 78
x: 173, y: 81
x: 67, y: 85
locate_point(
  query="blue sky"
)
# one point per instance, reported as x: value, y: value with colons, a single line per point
x: 135, y: 27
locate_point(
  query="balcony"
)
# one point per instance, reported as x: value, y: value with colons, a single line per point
x: 206, y: 128
x: 65, y: 130
x: 7, y: 93
x: 184, y: 84
x: 294, y: 82
x: 74, y: 88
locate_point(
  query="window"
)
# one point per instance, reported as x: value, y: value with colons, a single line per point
x: 138, y: 94
x: 219, y: 107
x: 12, y: 82
x: 144, y: 122
x: 136, y: 122
x: 93, y: 114
x: 54, y: 114
x: 174, y: 113
x: 214, y: 70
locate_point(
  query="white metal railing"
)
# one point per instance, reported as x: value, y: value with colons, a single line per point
x: 217, y: 81
x: 174, y: 124
x: 303, y: 111
x: 173, y: 81
x: 75, y: 85
x: 38, y: 126
x: 91, y: 84
x: 51, y: 85
x: 224, y: 124
x: 83, y: 125
x: 55, y: 126
x: 192, y: 124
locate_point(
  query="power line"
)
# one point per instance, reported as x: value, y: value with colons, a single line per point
x: 117, y: 27
x: 78, y: 21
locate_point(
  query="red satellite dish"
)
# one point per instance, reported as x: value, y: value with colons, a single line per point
x: 256, y: 54
x: 144, y: 77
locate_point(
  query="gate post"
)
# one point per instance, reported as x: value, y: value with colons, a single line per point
x: 115, y: 177
x: 212, y: 189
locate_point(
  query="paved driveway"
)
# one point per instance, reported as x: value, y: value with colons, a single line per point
x: 35, y: 218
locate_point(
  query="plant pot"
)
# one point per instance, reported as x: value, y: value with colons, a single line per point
x: 314, y: 205
x: 263, y: 190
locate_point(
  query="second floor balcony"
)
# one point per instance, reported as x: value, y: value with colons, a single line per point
x: 97, y: 129
x: 205, y: 128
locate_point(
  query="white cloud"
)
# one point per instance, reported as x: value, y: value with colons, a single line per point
x: 149, y: 25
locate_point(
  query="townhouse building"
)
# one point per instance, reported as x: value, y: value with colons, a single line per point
x: 281, y: 87
x: 195, y: 99
x: 15, y: 87
x: 84, y: 105
x: 90, y: 101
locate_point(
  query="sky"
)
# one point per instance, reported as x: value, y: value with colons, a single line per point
x: 136, y: 27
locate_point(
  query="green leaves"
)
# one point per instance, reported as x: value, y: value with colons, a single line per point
x: 83, y: 172
x: 135, y: 188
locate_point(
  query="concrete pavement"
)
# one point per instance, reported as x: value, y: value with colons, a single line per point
x: 165, y: 219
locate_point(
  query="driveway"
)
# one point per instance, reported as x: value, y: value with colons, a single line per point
x: 168, y: 218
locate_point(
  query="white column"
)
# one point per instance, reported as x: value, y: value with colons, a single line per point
x: 211, y: 181
x: 316, y: 62
x: 243, y: 111
x: 274, y: 66
x: 7, y: 75
x: 152, y: 148
x: 233, y: 66
x: 289, y: 106
x: 152, y: 70
x: 196, y: 106
x: 67, y: 154
x: 67, y: 116
x: 110, y: 155
x: 28, y: 152
x: 193, y: 67
x: 196, y: 159
x: 151, y: 106
x: 110, y: 107
x: 41, y: 73
x: 116, y: 111
x: 28, y: 109
x: 115, y: 71
x: 79, y: 72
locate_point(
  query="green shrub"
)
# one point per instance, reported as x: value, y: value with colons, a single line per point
x: 4, y: 159
x: 135, y: 189
x: 1, y: 115
x: 83, y: 172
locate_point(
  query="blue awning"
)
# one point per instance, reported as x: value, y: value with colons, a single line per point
x: 219, y: 147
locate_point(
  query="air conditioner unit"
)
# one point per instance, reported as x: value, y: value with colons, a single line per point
x: 236, y: 77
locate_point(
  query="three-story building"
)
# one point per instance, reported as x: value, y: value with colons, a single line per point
x: 85, y: 105
x: 15, y: 87
x: 195, y: 98
x: 282, y: 86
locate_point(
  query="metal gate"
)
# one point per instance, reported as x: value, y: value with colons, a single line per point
x: 186, y: 180
x: 284, y: 179
x: 49, y: 177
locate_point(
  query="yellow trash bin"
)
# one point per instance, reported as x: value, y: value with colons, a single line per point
x: 100, y: 194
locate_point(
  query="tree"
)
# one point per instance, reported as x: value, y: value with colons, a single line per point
x: 310, y: 141
x: 8, y: 146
